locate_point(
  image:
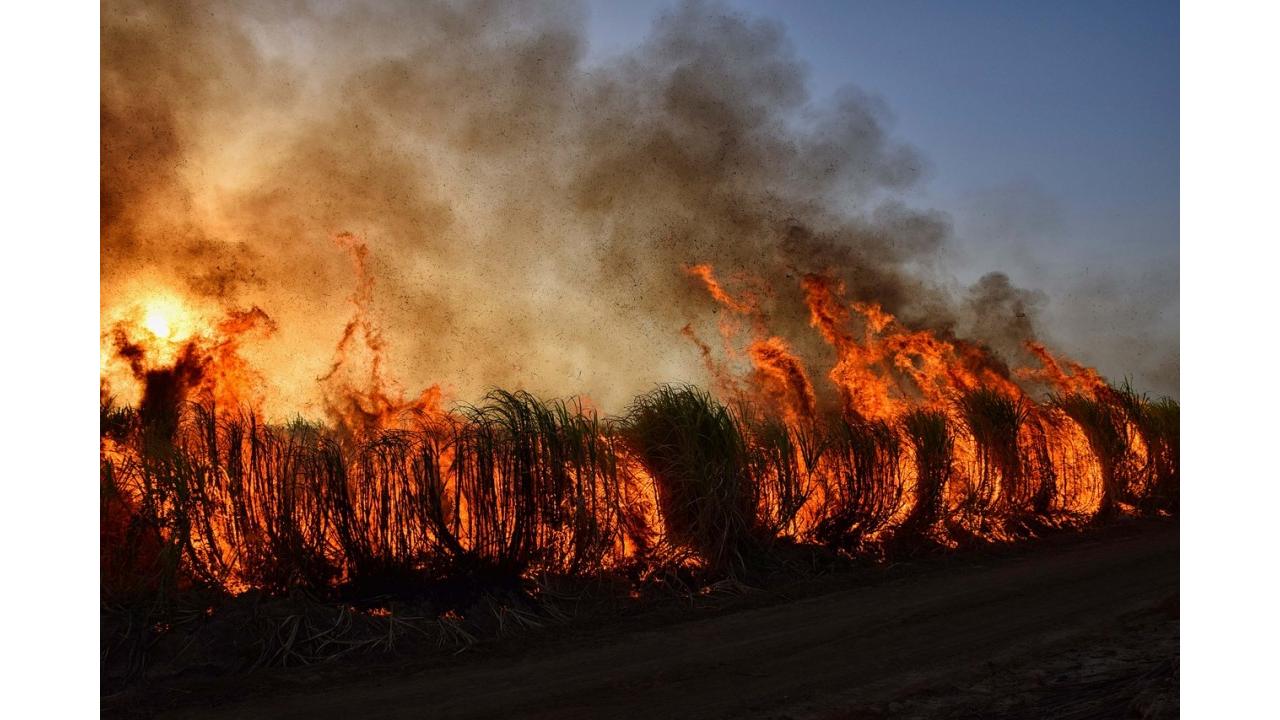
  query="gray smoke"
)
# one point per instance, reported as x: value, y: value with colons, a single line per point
x: 528, y: 214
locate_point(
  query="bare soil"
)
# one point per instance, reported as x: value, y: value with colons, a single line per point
x: 1080, y: 629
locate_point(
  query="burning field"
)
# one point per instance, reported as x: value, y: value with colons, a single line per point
x: 664, y: 325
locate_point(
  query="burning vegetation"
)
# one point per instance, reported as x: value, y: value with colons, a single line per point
x: 851, y: 408
x: 924, y: 443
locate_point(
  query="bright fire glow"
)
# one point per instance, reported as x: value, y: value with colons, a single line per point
x: 166, y: 319
x: 158, y: 323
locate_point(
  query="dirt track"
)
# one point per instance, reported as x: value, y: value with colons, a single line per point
x: 827, y: 656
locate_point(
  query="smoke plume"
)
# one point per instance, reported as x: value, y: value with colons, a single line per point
x: 528, y: 216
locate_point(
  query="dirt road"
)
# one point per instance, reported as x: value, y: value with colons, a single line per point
x: 825, y: 656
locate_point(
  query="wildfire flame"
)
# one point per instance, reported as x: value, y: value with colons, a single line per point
x: 838, y: 415
x: 884, y: 370
x: 887, y: 382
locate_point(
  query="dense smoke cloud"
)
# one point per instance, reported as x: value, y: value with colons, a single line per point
x: 528, y: 215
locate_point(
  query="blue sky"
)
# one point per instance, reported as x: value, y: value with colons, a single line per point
x: 1050, y: 128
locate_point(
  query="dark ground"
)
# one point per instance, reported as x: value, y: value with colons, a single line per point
x: 1079, y: 627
